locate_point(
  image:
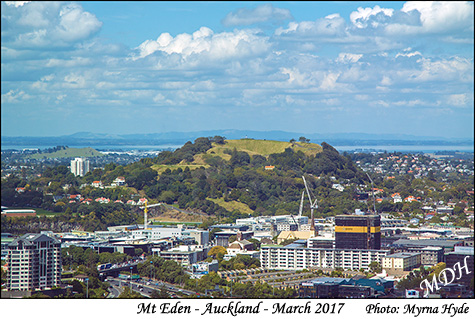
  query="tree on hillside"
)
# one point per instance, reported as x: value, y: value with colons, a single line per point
x: 217, y: 250
x: 303, y: 139
x: 217, y: 139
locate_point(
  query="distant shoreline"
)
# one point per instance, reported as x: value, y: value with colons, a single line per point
x: 343, y: 148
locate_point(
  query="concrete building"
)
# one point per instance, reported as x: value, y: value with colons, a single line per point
x: 399, y: 263
x: 201, y: 236
x: 358, y: 232
x: 185, y: 255
x: 156, y: 233
x: 34, y: 263
x: 296, y: 257
x: 430, y: 256
x: 462, y: 255
x: 80, y: 166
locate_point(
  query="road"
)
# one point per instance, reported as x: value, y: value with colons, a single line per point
x: 144, y: 287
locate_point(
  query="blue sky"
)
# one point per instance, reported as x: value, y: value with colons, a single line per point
x: 307, y: 67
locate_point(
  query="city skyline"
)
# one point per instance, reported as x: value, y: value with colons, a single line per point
x: 318, y: 67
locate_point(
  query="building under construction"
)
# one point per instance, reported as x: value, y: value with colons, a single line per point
x: 358, y: 232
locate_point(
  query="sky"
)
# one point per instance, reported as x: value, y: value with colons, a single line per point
x: 307, y: 67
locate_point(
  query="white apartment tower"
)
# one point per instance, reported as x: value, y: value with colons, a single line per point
x: 79, y: 166
x: 34, y: 263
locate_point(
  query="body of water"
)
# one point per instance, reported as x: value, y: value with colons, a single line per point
x: 350, y: 148
x: 98, y: 147
x: 407, y: 148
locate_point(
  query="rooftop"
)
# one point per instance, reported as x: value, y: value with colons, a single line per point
x: 402, y: 255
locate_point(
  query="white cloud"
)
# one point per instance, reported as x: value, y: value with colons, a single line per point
x: 74, y: 81
x: 436, y: 17
x: 408, y: 54
x: 386, y: 81
x: 263, y: 13
x: 333, y: 101
x: 348, y: 57
x: 47, y: 24
x: 15, y: 96
x: 380, y: 103
x: 77, y: 61
x: 16, y: 3
x: 369, y: 17
x: 410, y: 103
x: 454, y: 68
x: 236, y: 44
x: 329, y: 82
x: 331, y: 25
x: 457, y: 99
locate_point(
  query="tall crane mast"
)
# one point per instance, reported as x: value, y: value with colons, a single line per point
x: 313, y: 205
x: 301, y: 204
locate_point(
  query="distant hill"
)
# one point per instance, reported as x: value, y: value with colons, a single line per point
x: 68, y: 152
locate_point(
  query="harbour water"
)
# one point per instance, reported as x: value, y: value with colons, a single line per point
x: 343, y: 148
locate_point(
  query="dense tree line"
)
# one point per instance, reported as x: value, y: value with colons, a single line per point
x: 74, y: 256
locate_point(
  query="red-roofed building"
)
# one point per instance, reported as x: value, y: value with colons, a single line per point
x: 96, y: 184
x: 20, y: 189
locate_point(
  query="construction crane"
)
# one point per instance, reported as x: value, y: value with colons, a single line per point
x: 301, y: 204
x: 313, y: 205
x: 145, y: 215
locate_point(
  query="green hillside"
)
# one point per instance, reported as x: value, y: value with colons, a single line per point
x: 69, y: 152
x: 258, y: 147
x: 232, y: 205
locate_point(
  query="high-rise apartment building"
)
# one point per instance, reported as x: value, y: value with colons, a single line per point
x: 358, y: 232
x: 34, y: 263
x: 79, y: 166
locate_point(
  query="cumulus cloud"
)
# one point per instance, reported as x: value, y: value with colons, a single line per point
x: 376, y: 29
x: 16, y: 3
x: 236, y: 44
x: 328, y: 64
x: 370, y: 16
x: 263, y: 13
x: 436, y: 17
x: 331, y: 25
x: 46, y: 24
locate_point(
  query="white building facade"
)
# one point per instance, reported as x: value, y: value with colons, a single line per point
x: 80, y: 166
x: 295, y: 258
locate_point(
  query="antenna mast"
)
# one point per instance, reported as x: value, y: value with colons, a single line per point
x: 313, y: 205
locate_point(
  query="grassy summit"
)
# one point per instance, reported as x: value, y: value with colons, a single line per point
x: 259, y: 147
x: 69, y: 152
